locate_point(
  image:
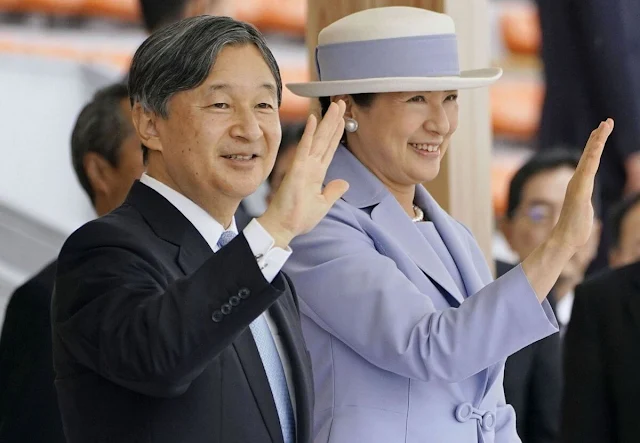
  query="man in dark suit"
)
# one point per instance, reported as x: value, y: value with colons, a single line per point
x: 107, y: 159
x: 532, y: 376
x: 592, y: 69
x: 602, y: 356
x: 168, y: 325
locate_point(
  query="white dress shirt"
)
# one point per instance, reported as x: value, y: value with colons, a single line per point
x: 564, y: 306
x: 270, y: 259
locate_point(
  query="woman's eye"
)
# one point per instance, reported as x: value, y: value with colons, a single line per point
x: 452, y: 98
x: 417, y: 98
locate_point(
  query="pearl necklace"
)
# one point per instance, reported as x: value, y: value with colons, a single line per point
x: 419, y: 214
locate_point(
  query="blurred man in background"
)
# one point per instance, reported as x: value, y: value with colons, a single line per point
x: 592, y: 70
x: 107, y: 160
x: 533, y: 376
x: 602, y: 356
x: 624, y: 223
x: 157, y: 14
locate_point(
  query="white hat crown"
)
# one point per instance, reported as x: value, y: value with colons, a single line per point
x: 390, y: 49
x: 383, y: 23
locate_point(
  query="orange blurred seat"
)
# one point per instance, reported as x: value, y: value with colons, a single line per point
x: 520, y: 28
x: 501, y: 174
x: 284, y: 15
x: 53, y: 7
x: 515, y: 108
x: 125, y: 10
x: 293, y: 107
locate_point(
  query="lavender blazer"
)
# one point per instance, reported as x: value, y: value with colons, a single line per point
x: 405, y: 349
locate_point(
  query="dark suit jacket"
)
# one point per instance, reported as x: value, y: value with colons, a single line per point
x: 28, y: 402
x: 532, y: 385
x: 142, y: 349
x: 592, y: 65
x: 602, y: 360
x: 592, y: 71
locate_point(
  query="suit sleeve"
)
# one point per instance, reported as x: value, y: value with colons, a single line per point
x: 585, y: 405
x: 545, y: 392
x: 610, y: 33
x: 118, y: 314
x: 341, y: 276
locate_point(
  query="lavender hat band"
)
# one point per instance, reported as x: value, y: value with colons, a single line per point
x: 417, y: 56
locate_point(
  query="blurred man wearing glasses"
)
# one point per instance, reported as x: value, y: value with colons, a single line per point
x: 532, y: 379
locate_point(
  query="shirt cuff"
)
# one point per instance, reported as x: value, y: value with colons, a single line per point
x: 270, y: 259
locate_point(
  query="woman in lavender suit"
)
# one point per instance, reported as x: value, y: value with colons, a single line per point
x: 407, y: 330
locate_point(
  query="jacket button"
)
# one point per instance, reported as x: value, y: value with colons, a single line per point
x: 234, y: 300
x: 217, y: 316
x: 244, y: 293
x: 226, y: 309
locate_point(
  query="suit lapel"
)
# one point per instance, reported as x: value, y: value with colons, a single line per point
x: 254, y: 371
x: 390, y: 215
x: 282, y: 313
x: 450, y: 234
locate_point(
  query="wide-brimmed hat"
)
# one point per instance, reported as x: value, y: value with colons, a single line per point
x: 391, y: 49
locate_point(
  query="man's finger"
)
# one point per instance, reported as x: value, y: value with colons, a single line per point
x: 334, y: 143
x: 326, y: 128
x: 304, y: 145
x: 333, y: 191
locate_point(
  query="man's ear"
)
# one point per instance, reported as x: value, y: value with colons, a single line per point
x: 98, y: 171
x: 145, y: 123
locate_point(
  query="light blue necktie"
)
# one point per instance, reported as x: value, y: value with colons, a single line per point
x: 272, y: 365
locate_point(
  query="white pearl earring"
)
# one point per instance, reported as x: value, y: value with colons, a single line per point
x: 350, y: 125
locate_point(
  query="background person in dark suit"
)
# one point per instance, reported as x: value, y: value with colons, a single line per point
x: 624, y: 223
x: 533, y: 375
x: 592, y: 70
x: 107, y: 159
x: 602, y: 356
x: 184, y: 329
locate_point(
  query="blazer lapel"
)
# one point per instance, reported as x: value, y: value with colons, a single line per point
x: 450, y: 233
x: 256, y: 377
x: 171, y: 225
x: 282, y: 313
x: 390, y: 215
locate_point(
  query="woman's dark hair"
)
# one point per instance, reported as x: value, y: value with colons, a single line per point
x: 363, y: 100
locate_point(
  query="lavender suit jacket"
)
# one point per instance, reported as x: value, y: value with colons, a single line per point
x: 400, y: 353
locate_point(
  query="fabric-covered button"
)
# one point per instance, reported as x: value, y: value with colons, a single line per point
x: 217, y: 316
x: 488, y: 421
x: 463, y: 412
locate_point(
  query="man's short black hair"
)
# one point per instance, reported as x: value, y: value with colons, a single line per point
x: 543, y: 161
x: 159, y: 13
x: 101, y: 127
x: 617, y: 215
